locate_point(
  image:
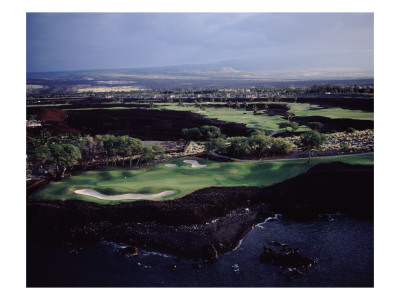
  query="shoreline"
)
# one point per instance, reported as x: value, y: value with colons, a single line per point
x: 208, y: 221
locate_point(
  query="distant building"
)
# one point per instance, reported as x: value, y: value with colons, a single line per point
x: 171, y: 96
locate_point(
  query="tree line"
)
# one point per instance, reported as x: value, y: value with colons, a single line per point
x: 57, y: 154
x: 258, y: 144
x: 337, y: 89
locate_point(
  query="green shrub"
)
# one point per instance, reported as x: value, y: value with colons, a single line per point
x: 267, y: 132
x: 210, y: 132
x: 191, y: 134
x: 238, y: 146
x: 219, y: 145
x: 315, y: 125
x: 288, y: 124
x: 279, y: 146
x: 350, y: 130
x: 345, y: 147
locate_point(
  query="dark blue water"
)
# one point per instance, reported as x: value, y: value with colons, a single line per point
x: 342, y: 246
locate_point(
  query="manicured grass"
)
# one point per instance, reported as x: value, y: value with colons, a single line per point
x: 306, y: 110
x: 261, y: 120
x: 182, y: 179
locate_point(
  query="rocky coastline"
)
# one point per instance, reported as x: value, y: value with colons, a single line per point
x: 209, y: 221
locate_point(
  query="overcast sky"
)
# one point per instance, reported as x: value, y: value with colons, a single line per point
x: 261, y: 41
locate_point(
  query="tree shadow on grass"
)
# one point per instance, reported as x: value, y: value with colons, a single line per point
x: 127, y: 174
x: 104, y: 176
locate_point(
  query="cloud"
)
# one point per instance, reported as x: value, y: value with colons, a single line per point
x: 101, y: 40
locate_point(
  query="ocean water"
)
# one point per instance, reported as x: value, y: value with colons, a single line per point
x: 343, y: 248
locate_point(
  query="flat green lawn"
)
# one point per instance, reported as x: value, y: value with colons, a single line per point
x: 182, y: 179
x: 306, y: 110
x: 261, y: 121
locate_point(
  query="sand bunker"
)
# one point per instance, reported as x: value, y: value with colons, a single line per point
x: 195, y: 163
x: 170, y: 165
x: 129, y: 196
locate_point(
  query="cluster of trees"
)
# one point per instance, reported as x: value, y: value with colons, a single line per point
x: 56, y: 154
x: 337, y: 89
x: 258, y: 144
x: 118, y: 148
x: 204, y: 133
x: 315, y: 125
x: 245, y: 105
x: 198, y: 103
x: 288, y: 124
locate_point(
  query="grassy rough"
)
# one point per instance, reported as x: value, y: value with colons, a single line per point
x: 183, y: 179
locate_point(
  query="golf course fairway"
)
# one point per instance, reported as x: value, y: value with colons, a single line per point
x: 182, y: 179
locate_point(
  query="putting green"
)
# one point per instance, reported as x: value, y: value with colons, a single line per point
x: 182, y: 179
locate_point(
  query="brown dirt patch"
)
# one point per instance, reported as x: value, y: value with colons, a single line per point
x: 48, y: 114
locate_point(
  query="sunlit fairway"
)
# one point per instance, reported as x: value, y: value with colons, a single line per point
x: 307, y: 110
x: 263, y: 121
x: 182, y: 179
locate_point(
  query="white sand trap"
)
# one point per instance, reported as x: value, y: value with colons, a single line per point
x: 170, y: 165
x: 129, y: 196
x: 195, y: 163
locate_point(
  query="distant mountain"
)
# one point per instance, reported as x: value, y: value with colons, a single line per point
x: 229, y: 69
x: 224, y: 74
x: 235, y: 69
